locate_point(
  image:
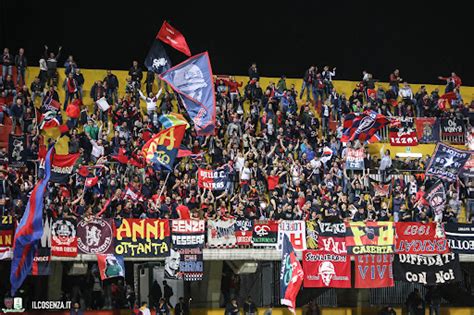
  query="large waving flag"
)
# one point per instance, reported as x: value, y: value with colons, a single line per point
x: 162, y: 149
x: 291, y: 276
x: 192, y: 80
x: 363, y: 127
x: 172, y: 119
x: 29, y: 231
x: 174, y: 38
x: 157, y: 60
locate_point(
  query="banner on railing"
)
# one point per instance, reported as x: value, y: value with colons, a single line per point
x: 369, y: 238
x: 63, y: 238
x: 355, y: 159
x: 420, y: 238
x: 188, y: 233
x: 110, y: 266
x: 143, y: 238
x: 296, y: 232
x: 243, y: 232
x: 188, y: 240
x: 452, y: 127
x: 402, y: 132
x: 312, y: 234
x: 374, y: 271
x: 332, y: 237
x: 460, y: 237
x: 7, y: 234
x: 95, y: 236
x: 213, y: 179
x: 265, y: 233
x: 221, y: 234
x: 447, y: 162
x: 427, y: 129
x: 326, y: 270
x: 427, y: 269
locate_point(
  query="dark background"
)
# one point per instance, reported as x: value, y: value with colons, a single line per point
x: 422, y: 39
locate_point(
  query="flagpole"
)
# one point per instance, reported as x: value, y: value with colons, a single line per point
x: 164, y: 185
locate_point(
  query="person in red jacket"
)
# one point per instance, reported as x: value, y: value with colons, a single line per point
x: 70, y: 89
x: 233, y: 88
x: 454, y: 77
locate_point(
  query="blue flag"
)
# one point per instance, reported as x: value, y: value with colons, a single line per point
x: 29, y: 231
x: 157, y: 60
x: 447, y: 162
x: 192, y: 80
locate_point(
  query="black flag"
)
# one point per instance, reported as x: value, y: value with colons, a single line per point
x: 16, y: 150
x: 157, y: 60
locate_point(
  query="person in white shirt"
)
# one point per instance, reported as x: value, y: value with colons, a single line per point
x: 406, y: 93
x: 412, y: 186
x: 385, y: 162
x: 144, y: 310
x: 150, y: 101
x: 97, y: 149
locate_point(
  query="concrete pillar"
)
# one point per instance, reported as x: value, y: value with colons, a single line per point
x: 207, y: 293
x: 55, y: 280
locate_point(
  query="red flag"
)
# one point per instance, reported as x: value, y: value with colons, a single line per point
x: 121, y: 157
x: 174, y: 38
x: 91, y: 181
x: 373, y: 271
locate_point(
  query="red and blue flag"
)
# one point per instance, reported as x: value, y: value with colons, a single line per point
x: 363, y: 127
x: 29, y: 231
x: 193, y: 81
x: 161, y: 150
x: 291, y: 276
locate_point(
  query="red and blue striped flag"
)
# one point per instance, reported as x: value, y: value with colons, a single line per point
x: 29, y: 231
x: 363, y: 127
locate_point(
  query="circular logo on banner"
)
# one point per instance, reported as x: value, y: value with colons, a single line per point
x: 63, y: 232
x: 262, y: 230
x: 365, y: 124
x: 94, y: 236
x: 437, y: 200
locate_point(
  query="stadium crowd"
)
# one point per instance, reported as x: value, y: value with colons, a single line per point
x: 272, y: 137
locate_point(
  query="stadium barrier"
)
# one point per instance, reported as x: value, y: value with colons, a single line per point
x: 277, y: 311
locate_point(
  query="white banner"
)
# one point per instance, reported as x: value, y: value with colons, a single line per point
x: 296, y: 231
x: 221, y: 233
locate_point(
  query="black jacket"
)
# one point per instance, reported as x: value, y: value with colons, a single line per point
x: 112, y: 82
x: 136, y: 74
x: 20, y: 61
x: 253, y: 73
x: 79, y: 79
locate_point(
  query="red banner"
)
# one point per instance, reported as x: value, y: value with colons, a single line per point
x: 403, y: 139
x: 420, y: 238
x: 324, y: 269
x: 403, y: 132
x: 333, y: 244
x: 373, y: 271
x: 63, y: 238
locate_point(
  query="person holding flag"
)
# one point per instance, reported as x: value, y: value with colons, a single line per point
x: 29, y: 230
